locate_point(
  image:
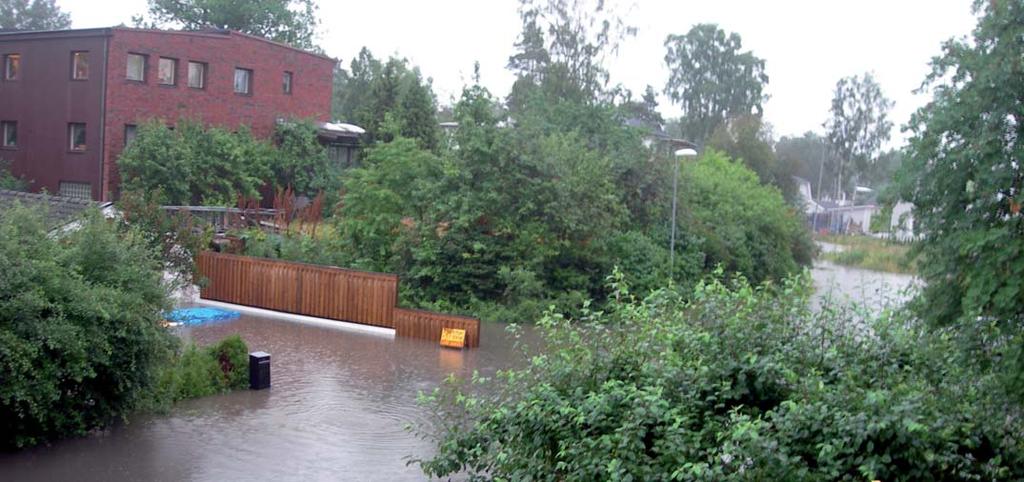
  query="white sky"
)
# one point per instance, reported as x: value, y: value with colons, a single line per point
x: 807, y: 44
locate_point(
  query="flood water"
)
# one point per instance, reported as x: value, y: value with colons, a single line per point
x: 337, y: 409
x: 872, y: 290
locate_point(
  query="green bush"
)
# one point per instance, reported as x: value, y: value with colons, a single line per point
x: 200, y: 372
x: 80, y: 334
x: 739, y: 383
x: 194, y: 164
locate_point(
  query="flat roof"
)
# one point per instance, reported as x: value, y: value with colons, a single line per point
x: 106, y: 31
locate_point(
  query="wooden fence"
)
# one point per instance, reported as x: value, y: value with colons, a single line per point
x: 428, y: 325
x: 324, y: 292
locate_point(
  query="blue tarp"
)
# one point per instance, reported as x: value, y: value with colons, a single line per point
x: 195, y: 316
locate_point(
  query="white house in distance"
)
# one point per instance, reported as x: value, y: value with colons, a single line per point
x: 837, y: 217
x: 901, y: 226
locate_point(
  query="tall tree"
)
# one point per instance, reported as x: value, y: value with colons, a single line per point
x: 644, y: 110
x: 963, y: 172
x: 712, y: 79
x: 387, y: 98
x: 293, y: 22
x: 34, y: 15
x: 857, y: 128
x: 806, y: 155
x: 563, y: 46
x: 749, y: 140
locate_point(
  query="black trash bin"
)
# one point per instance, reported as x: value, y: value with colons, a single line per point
x: 259, y: 370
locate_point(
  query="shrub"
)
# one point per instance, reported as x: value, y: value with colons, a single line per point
x: 740, y: 383
x: 200, y: 372
x: 80, y: 339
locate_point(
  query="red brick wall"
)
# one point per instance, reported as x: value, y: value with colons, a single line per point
x: 130, y: 102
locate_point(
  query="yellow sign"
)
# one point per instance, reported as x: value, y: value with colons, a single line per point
x: 453, y: 337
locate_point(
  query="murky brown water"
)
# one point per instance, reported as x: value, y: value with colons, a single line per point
x: 337, y: 410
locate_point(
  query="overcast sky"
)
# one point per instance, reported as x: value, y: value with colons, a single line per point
x: 807, y: 44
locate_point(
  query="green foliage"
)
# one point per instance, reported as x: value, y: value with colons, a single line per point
x: 9, y: 181
x: 739, y: 383
x: 192, y: 165
x: 293, y: 22
x: 744, y: 226
x: 562, y: 48
x: 749, y: 140
x: 964, y: 175
x: 857, y: 128
x: 386, y: 99
x: 197, y: 165
x: 199, y: 372
x: 80, y: 335
x: 712, y: 79
x: 33, y: 15
x: 871, y: 253
x: 175, y: 236
x: 300, y: 161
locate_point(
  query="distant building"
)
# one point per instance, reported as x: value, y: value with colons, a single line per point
x: 838, y: 219
x: 803, y: 188
x: 901, y: 225
x: 70, y: 100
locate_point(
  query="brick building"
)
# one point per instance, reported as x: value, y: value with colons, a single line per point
x: 71, y: 99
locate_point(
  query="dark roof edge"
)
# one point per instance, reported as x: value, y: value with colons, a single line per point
x: 223, y: 33
x: 106, y: 31
x: 81, y: 32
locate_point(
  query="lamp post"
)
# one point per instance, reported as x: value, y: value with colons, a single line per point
x: 688, y: 151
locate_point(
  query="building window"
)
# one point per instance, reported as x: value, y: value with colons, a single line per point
x: 76, y: 136
x: 129, y: 133
x: 12, y: 66
x: 80, y: 65
x: 287, y: 83
x: 9, y: 134
x: 136, y: 67
x: 196, y: 75
x: 78, y: 190
x: 167, y: 71
x: 243, y: 81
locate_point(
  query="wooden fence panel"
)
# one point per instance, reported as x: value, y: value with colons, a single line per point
x: 427, y: 325
x: 321, y: 291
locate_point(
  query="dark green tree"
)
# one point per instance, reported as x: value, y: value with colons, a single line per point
x: 387, y: 99
x: 807, y: 157
x: 963, y: 172
x: 79, y: 326
x: 644, y: 110
x: 748, y: 139
x: 293, y: 22
x: 352, y: 86
x: 33, y: 15
x: 857, y: 128
x: 193, y: 164
x: 9, y: 181
x: 712, y: 79
x: 562, y: 48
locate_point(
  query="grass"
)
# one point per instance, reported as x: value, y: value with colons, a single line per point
x: 870, y: 253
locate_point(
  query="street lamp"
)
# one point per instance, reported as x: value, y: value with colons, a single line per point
x: 688, y: 151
